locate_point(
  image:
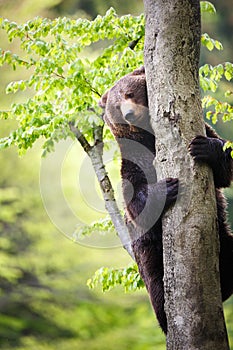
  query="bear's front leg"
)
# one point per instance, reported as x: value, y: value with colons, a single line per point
x: 145, y: 203
x: 210, y: 151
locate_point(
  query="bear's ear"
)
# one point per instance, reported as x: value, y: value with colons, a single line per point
x: 103, y: 100
x: 139, y: 71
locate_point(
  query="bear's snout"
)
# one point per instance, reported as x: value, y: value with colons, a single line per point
x: 128, y: 112
x: 129, y: 116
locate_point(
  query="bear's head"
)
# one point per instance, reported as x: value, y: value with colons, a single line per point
x: 126, y: 104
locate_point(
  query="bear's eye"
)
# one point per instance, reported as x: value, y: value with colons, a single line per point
x: 129, y: 95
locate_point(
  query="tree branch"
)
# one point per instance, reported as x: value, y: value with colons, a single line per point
x: 81, y: 138
x: 134, y: 43
x: 95, y: 153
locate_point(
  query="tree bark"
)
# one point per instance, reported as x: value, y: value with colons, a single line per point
x: 190, y: 241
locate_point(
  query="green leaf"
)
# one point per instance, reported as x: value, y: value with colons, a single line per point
x: 228, y: 71
x: 209, y: 114
x: 227, y: 145
x: 4, y: 115
x: 210, y: 43
x: 218, y: 45
x: 102, y: 226
x: 207, y: 6
x: 213, y: 85
x: 108, y: 278
x: 228, y: 93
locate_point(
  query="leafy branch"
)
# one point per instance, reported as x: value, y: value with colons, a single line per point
x: 220, y: 108
x: 108, y: 278
x: 95, y: 153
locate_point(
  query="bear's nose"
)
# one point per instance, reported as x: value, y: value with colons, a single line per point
x: 129, y: 116
x: 128, y: 111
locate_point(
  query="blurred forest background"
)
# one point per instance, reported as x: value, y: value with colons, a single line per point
x: 44, y: 301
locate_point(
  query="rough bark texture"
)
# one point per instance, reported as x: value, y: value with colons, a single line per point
x: 190, y: 241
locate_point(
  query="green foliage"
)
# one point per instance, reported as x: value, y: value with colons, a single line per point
x: 65, y: 84
x: 210, y: 43
x: 207, y: 6
x: 223, y: 109
x: 102, y: 226
x: 108, y: 278
x: 210, y: 78
x: 22, y: 275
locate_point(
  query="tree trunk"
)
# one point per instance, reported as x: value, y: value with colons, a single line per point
x: 190, y: 242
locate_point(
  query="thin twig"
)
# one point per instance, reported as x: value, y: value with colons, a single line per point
x: 81, y: 138
x: 134, y: 43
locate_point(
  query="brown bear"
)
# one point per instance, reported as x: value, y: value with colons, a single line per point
x: 126, y: 112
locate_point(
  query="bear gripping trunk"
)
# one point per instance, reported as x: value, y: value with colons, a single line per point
x: 190, y: 242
